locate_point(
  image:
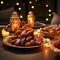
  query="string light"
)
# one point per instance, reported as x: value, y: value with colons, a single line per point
x: 47, y: 5
x: 19, y: 8
x: 21, y: 16
x: 47, y: 19
x: 2, y: 2
x: 49, y: 14
x: 30, y: 2
x: 49, y: 10
x: 32, y: 7
x: 17, y: 3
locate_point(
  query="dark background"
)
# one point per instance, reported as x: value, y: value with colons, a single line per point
x: 40, y: 10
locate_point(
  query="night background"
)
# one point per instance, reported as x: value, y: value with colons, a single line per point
x: 42, y: 9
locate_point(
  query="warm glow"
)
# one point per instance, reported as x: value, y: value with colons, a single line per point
x: 36, y: 0
x: 32, y: 7
x: 49, y: 10
x: 46, y: 42
x: 30, y: 2
x: 46, y: 45
x: 46, y: 51
x: 30, y: 20
x: 38, y: 30
x: 37, y: 33
x: 47, y: 19
x: 19, y: 8
x: 2, y: 2
x: 15, y: 24
x: 21, y: 16
x: 5, y: 33
x: 49, y: 14
x: 17, y: 3
x: 46, y: 5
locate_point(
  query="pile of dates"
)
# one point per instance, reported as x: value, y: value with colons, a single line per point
x: 25, y: 37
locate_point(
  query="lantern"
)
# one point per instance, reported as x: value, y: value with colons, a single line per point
x: 14, y: 23
x: 31, y: 18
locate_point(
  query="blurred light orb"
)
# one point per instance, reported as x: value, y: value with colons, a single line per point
x: 47, y: 19
x: 19, y: 8
x: 17, y: 3
x: 49, y: 14
x: 21, y: 16
x: 47, y: 5
x: 32, y: 7
x: 30, y: 2
x: 2, y: 2
x: 49, y: 10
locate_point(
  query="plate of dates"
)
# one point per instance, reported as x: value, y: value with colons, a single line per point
x: 51, y: 31
x: 23, y: 39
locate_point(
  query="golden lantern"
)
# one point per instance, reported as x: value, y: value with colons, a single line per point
x: 31, y: 18
x: 14, y: 23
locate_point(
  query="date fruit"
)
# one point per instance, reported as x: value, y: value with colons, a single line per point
x: 27, y: 44
x: 23, y: 41
x: 28, y: 38
x: 30, y: 32
x: 17, y: 43
x: 23, y: 33
x: 18, y: 32
x: 13, y: 41
x: 32, y: 42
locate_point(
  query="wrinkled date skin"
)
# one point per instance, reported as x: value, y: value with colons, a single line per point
x: 23, y: 41
x: 18, y: 32
x: 29, y: 38
x: 30, y: 32
x: 23, y: 33
x: 13, y: 41
x: 17, y: 43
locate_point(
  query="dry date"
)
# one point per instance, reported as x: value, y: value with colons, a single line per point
x: 23, y: 41
x: 17, y: 43
x: 23, y: 33
x: 28, y: 38
x: 30, y: 32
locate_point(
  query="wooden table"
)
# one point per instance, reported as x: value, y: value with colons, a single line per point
x: 8, y: 53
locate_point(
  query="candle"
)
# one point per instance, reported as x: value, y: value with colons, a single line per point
x: 5, y: 33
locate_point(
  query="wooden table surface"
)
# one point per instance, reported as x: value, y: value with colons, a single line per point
x: 8, y: 53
